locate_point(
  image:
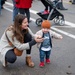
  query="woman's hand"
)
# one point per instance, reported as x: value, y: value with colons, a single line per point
x: 38, y: 39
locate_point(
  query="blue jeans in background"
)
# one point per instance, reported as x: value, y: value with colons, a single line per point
x: 15, y: 10
x: 0, y: 6
x: 44, y: 54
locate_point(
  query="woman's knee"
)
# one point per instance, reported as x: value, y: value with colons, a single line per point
x: 12, y: 59
x: 10, y: 56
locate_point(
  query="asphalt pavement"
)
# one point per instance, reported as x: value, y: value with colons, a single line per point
x: 63, y: 51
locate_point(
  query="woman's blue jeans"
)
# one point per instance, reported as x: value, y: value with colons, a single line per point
x: 15, y: 10
x: 44, y: 54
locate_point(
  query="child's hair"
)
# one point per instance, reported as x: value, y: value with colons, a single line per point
x: 46, y: 24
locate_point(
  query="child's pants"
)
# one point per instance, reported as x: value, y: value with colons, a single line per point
x: 44, y: 54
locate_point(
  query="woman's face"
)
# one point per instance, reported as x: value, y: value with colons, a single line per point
x: 25, y: 24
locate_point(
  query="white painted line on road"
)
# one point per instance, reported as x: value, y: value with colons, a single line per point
x: 8, y: 9
x: 8, y: 3
x: 62, y: 26
x: 63, y: 32
x: 70, y: 24
x: 58, y: 30
x: 34, y: 12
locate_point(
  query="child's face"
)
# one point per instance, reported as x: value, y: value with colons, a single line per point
x: 45, y: 30
x: 25, y: 24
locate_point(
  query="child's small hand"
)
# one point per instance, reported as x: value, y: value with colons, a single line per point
x: 39, y: 37
x: 39, y: 40
x: 61, y: 37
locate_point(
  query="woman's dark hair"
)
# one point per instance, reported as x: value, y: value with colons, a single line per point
x: 19, y: 19
x: 17, y: 30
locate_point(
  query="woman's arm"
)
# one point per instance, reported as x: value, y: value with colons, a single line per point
x: 16, y: 43
x: 22, y: 46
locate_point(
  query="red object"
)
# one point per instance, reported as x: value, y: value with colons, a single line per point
x: 46, y: 12
x: 47, y: 60
x: 23, y: 3
x: 41, y: 64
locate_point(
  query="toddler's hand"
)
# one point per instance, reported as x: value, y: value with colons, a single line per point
x: 39, y: 40
x: 61, y: 37
x: 39, y: 37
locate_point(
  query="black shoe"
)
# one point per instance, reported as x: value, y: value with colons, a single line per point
x: 63, y: 8
x: 2, y: 7
x: 73, y: 2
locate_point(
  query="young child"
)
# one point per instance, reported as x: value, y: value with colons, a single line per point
x: 46, y: 46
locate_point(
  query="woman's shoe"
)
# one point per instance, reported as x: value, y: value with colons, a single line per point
x: 29, y: 61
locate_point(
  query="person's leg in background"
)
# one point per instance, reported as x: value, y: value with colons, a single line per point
x: 60, y: 5
x: 29, y: 61
x: 2, y: 3
x: 46, y: 7
x: 63, y: 8
x: 44, y: 3
x: 15, y: 9
x: 22, y: 11
x: 0, y: 7
x: 27, y: 11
